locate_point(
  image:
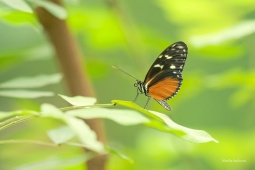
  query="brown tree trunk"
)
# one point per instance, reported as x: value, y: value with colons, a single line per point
x: 69, y: 58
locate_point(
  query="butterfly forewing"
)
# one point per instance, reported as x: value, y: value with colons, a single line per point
x: 164, y: 78
x: 172, y: 58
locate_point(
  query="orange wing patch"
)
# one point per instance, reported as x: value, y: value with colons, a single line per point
x: 164, y: 88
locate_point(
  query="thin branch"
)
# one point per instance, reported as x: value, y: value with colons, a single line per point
x: 88, y: 106
x: 13, y: 121
x: 27, y: 141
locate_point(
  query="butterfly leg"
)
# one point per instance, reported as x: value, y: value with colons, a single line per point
x: 147, y: 102
x: 137, y: 94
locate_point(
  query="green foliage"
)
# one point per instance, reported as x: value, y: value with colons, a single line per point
x: 25, y: 93
x: 61, y: 134
x: 122, y: 117
x: 217, y: 92
x: 196, y: 136
x: 18, y: 4
x: 55, y: 163
x: 82, y: 131
x: 238, y: 31
x: 79, y: 100
x: 31, y: 82
x: 27, y: 6
x: 78, y: 128
x: 28, y: 82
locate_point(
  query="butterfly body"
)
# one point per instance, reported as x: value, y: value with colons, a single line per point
x: 164, y: 77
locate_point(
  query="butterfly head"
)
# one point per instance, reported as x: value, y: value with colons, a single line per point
x: 140, y: 87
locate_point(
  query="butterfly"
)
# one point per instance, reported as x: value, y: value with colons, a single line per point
x: 164, y: 78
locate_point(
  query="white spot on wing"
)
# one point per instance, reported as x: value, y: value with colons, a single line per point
x: 168, y: 56
x: 158, y: 65
x: 172, y: 67
x: 180, y: 47
x: 160, y: 56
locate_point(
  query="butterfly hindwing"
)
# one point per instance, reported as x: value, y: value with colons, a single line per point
x: 164, y: 104
x: 164, y: 78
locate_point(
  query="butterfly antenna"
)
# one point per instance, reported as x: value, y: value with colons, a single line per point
x: 124, y: 72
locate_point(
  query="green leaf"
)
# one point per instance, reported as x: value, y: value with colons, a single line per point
x: 240, y: 30
x: 79, y: 127
x: 79, y: 100
x: 56, y: 10
x: 85, y: 134
x: 17, y: 18
x: 192, y: 135
x: 163, y: 127
x: 136, y: 107
x: 48, y: 110
x: 61, y: 134
x: 19, y: 5
x: 32, y: 82
x: 123, y: 117
x: 25, y: 93
x: 119, y: 154
x: 54, y: 163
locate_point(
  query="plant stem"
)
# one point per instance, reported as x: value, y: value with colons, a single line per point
x: 27, y: 141
x: 12, y: 121
x: 88, y: 106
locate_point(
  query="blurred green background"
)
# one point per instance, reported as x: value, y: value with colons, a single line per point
x: 217, y: 95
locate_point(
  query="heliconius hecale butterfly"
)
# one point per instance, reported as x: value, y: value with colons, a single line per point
x: 164, y: 78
